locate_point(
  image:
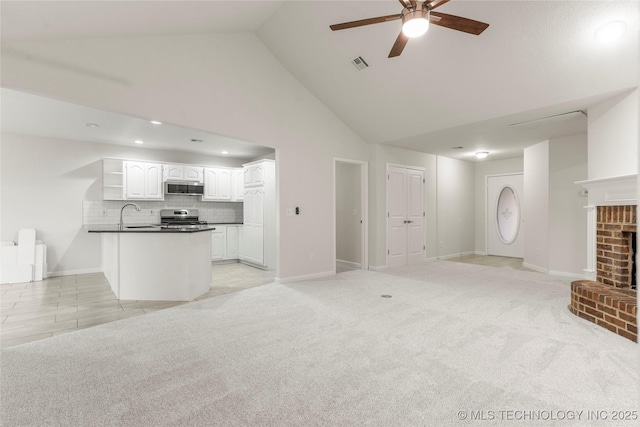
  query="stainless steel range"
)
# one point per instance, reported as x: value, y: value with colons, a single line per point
x: 181, y: 218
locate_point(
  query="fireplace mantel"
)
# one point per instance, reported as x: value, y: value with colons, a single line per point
x: 613, y: 191
x: 617, y: 190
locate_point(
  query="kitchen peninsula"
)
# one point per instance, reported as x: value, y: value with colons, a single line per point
x: 154, y: 263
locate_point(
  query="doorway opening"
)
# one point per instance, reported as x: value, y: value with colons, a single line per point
x: 350, y: 215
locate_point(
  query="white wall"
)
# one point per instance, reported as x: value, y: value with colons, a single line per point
x: 536, y: 206
x: 613, y: 137
x: 348, y: 213
x: 482, y: 170
x: 44, y: 182
x: 229, y: 84
x: 456, y: 207
x: 567, y: 215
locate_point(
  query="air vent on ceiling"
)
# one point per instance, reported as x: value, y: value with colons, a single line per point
x: 360, y: 63
x: 196, y: 140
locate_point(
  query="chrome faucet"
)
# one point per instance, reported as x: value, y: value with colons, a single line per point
x: 121, y: 210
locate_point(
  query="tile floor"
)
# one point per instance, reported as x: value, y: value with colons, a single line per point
x: 37, y: 310
x: 492, y: 260
x: 55, y: 306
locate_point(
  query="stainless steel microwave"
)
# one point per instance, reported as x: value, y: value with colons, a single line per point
x: 185, y: 188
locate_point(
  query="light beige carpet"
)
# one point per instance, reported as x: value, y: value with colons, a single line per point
x: 454, y: 344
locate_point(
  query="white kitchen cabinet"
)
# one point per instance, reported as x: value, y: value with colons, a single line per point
x: 112, y: 179
x: 224, y: 243
x: 258, y: 241
x: 254, y: 174
x: 183, y: 173
x: 232, y: 242
x: 218, y: 243
x: 193, y: 173
x: 217, y: 184
x: 143, y: 181
x: 238, y: 184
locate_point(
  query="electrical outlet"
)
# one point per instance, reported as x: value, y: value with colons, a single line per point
x: 312, y: 258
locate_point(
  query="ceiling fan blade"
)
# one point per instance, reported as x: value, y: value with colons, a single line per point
x: 399, y: 45
x: 458, y: 23
x: 407, y: 3
x: 362, y: 22
x: 430, y: 5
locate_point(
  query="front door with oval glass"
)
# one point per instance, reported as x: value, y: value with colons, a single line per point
x: 504, y: 216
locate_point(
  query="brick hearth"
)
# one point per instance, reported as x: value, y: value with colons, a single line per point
x: 612, y: 308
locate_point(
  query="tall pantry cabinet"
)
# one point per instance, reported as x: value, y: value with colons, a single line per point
x: 258, y: 238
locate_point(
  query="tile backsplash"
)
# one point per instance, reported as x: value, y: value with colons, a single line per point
x: 108, y: 211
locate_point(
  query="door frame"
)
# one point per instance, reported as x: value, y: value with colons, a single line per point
x: 364, y: 208
x: 486, y: 205
x: 386, y: 192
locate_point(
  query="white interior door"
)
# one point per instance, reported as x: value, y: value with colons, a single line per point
x: 405, y: 225
x: 505, y: 235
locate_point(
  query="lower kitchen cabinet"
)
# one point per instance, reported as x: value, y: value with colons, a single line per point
x: 218, y: 243
x: 224, y: 243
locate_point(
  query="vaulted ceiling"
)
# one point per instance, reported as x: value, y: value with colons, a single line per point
x: 447, y: 89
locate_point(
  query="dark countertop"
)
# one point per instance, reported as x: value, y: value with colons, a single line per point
x: 106, y: 228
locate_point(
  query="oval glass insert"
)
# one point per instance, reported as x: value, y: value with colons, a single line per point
x: 508, y: 215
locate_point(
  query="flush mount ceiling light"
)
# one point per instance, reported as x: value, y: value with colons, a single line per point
x: 415, y: 23
x: 482, y: 154
x: 155, y: 122
x: 92, y: 125
x: 137, y: 141
x: 610, y: 31
x: 225, y: 152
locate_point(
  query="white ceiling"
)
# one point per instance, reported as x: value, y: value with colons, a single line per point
x: 537, y: 59
x: 28, y: 114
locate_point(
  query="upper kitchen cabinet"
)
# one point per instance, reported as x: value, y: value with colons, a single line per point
x: 254, y: 174
x: 143, y: 181
x: 112, y: 179
x: 238, y: 184
x: 217, y: 184
x: 183, y: 173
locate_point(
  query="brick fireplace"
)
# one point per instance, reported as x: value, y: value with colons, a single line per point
x: 615, y: 233
x: 611, y: 299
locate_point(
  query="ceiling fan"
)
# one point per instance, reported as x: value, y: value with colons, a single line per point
x: 416, y: 17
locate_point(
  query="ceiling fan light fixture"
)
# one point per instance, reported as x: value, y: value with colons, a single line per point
x: 415, y: 23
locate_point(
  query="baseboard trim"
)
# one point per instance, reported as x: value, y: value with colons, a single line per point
x: 304, y: 277
x: 74, y: 272
x: 482, y: 253
x: 377, y: 267
x: 348, y: 264
x: 536, y: 268
x: 567, y: 274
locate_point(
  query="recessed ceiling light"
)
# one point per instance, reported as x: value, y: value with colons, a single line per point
x: 92, y: 125
x: 155, y: 122
x: 137, y: 141
x: 610, y: 31
x: 225, y: 152
x: 482, y: 154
